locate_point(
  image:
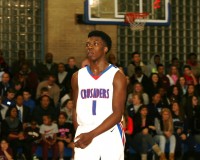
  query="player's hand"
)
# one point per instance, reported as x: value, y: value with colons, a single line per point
x: 83, y: 140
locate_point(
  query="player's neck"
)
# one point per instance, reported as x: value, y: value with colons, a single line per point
x: 98, y: 67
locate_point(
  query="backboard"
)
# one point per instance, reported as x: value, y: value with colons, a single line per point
x: 113, y: 11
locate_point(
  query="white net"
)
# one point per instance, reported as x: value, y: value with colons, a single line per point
x: 137, y: 21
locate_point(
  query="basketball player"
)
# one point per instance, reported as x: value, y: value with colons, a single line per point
x: 99, y: 93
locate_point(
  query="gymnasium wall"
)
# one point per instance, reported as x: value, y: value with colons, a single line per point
x: 65, y: 38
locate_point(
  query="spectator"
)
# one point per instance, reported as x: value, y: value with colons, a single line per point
x: 112, y: 59
x: 182, y: 85
x: 3, y: 110
x: 193, y: 117
x: 174, y: 94
x: 44, y: 91
x: 139, y: 76
x: 142, y: 136
x: 155, y: 106
x: 192, y: 111
x: 165, y: 130
x: 12, y: 129
x: 33, y: 136
x: 71, y: 67
x: 28, y: 101
x: 29, y: 78
x: 165, y: 101
x: 189, y: 76
x: 5, y: 150
x: 176, y: 63
x: 9, y: 99
x: 44, y: 108
x: 127, y: 123
x: 164, y: 80
x: 85, y: 62
x: 192, y: 61
x: 49, y: 131
x: 54, y: 90
x: 5, y: 84
x: 138, y: 89
x: 64, y: 135
x: 187, y: 98
x: 17, y: 85
x: 47, y: 68
x: 180, y: 126
x: 67, y: 108
x: 63, y: 80
x: 24, y: 114
x: 173, y: 75
x: 3, y: 65
x: 154, y: 84
x: 134, y: 107
x: 16, y: 65
x: 152, y: 66
x: 136, y: 61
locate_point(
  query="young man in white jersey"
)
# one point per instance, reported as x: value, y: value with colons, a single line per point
x: 99, y: 93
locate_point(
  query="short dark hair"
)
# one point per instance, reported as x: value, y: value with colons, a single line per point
x: 104, y: 36
x: 187, y: 66
x: 160, y: 65
x: 11, y: 90
x: 134, y: 53
x: 63, y: 114
x: 138, y: 69
x: 192, y: 54
x: 174, y: 59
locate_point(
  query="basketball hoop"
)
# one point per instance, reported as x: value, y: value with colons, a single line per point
x: 137, y: 21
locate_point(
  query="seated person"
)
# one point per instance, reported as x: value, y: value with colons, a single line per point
x: 49, y: 131
x: 44, y: 108
x: 5, y: 150
x: 64, y: 135
x: 33, y: 135
x: 13, y: 130
x: 9, y: 99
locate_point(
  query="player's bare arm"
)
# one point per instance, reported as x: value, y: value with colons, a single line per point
x: 74, y: 83
x: 119, y: 97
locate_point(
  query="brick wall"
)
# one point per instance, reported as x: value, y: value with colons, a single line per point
x: 65, y: 38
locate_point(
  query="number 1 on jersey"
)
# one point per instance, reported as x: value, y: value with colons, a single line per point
x: 94, y: 103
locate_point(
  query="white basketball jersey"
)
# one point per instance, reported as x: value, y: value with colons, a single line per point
x: 95, y: 96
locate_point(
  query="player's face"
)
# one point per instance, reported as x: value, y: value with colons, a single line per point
x: 96, y: 48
